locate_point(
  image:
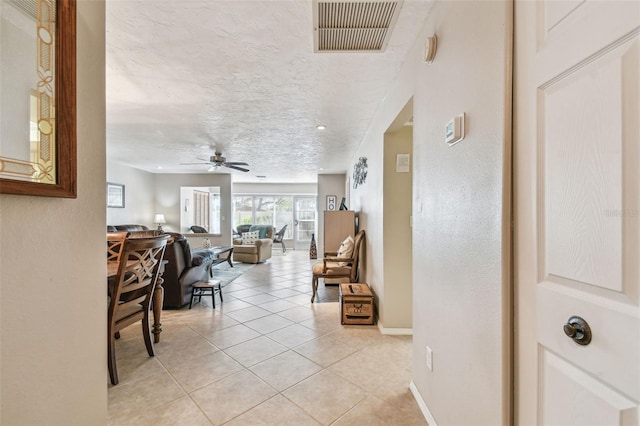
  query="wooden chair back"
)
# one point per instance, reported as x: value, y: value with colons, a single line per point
x: 132, y: 291
x: 115, y: 241
x: 357, y: 242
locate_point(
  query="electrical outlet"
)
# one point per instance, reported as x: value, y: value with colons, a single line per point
x: 429, y: 359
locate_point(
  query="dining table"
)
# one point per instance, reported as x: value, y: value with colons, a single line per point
x: 156, y: 302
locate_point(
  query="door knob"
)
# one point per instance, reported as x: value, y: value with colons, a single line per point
x: 578, y: 329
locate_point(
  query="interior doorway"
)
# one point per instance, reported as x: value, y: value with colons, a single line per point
x: 397, y: 317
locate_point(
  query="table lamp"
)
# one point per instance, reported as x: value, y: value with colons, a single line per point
x: 159, y: 219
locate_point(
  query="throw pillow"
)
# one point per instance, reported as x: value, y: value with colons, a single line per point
x: 249, y: 238
x: 346, y: 249
x: 261, y: 229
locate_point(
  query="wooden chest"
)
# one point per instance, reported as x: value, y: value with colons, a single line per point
x: 356, y: 304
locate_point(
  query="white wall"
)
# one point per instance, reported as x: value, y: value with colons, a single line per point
x: 460, y: 289
x: 53, y: 303
x: 139, y: 192
x: 328, y: 184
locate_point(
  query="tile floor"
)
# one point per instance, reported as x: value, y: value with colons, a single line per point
x: 265, y: 356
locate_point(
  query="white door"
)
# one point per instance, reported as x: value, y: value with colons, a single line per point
x: 304, y: 221
x: 577, y: 211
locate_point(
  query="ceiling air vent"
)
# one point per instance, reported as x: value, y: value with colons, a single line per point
x: 348, y: 26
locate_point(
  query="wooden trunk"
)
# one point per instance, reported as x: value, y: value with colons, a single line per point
x: 356, y: 304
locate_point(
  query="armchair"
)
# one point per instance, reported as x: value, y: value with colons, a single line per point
x: 257, y: 251
x: 335, y: 266
x: 278, y: 237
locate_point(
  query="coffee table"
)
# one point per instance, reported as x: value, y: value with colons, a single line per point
x: 222, y: 254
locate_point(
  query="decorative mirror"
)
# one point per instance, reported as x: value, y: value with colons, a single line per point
x: 38, y: 97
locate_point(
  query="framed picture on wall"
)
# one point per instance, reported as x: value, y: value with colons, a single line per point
x: 331, y: 202
x: 115, y: 195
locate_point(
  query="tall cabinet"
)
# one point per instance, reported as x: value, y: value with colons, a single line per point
x: 338, y: 225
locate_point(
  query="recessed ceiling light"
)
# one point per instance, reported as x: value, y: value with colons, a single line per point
x: 261, y: 177
x: 321, y: 127
x: 159, y: 167
x: 321, y: 168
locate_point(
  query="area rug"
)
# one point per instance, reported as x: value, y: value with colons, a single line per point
x: 226, y: 274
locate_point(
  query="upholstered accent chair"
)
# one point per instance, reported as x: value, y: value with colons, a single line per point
x: 255, y: 248
x: 338, y: 265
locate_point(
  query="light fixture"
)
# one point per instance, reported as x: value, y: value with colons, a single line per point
x: 159, y: 219
x: 321, y: 127
x: 430, y: 48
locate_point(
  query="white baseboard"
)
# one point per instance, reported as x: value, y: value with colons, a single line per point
x: 395, y: 331
x: 423, y: 405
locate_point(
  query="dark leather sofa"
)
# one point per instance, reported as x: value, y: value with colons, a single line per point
x: 128, y: 228
x: 183, y: 269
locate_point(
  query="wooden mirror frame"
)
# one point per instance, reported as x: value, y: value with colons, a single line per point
x: 66, y: 136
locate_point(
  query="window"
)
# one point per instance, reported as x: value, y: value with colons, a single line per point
x: 242, y: 211
x: 276, y: 210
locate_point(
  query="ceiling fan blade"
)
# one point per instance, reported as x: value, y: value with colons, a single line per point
x: 236, y: 167
x: 236, y: 163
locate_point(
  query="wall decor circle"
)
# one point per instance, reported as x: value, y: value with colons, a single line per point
x: 360, y: 172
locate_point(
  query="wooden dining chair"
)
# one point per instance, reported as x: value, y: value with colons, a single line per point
x: 338, y: 267
x: 115, y: 240
x: 131, y: 293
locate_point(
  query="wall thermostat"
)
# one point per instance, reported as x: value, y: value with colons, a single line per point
x: 454, y: 132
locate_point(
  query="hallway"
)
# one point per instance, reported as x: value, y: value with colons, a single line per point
x: 265, y: 356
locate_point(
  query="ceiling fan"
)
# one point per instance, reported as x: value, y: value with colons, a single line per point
x: 217, y: 160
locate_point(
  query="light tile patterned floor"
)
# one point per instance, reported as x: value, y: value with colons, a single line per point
x: 265, y: 356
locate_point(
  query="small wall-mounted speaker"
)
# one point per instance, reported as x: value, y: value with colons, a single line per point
x: 430, y: 49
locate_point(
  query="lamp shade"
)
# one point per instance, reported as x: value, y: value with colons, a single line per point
x: 159, y: 218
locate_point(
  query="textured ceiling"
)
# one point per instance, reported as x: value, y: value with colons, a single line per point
x: 185, y: 77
